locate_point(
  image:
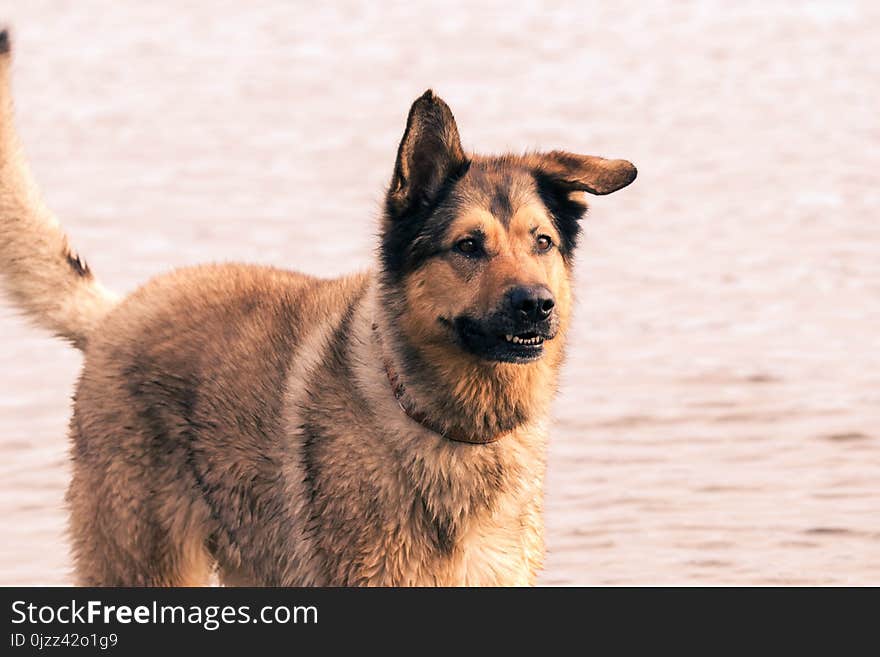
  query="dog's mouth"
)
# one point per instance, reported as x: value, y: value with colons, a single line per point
x: 528, y: 339
x: 503, y: 345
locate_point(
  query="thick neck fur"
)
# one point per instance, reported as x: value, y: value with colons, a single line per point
x: 461, y: 392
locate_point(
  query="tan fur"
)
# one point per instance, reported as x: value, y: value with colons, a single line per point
x: 241, y: 419
x: 490, y: 391
x: 42, y: 275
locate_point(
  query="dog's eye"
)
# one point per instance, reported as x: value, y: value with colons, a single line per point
x: 468, y: 246
x: 543, y: 243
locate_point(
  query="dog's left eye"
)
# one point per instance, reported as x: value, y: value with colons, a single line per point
x: 468, y: 246
x: 543, y: 243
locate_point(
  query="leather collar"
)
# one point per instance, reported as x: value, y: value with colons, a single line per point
x: 416, y: 415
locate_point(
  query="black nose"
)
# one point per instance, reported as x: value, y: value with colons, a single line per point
x: 531, y: 303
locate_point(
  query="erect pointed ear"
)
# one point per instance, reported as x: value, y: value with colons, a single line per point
x: 429, y: 153
x: 585, y: 173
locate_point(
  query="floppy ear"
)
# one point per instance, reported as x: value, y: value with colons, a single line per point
x: 429, y: 153
x: 561, y: 175
x: 585, y: 173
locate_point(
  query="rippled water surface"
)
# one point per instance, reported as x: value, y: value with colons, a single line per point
x: 719, y: 418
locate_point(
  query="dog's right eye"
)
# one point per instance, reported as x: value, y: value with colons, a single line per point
x: 468, y: 246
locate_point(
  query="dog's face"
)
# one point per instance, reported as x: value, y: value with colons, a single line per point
x: 479, y: 249
x: 492, y: 277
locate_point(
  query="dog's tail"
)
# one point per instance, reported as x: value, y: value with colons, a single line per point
x: 39, y: 271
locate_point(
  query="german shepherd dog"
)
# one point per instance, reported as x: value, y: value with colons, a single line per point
x: 385, y: 428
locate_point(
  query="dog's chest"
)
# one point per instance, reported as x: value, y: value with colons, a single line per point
x: 497, y: 551
x: 501, y: 547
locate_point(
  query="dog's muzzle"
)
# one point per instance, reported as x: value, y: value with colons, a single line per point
x: 516, y: 332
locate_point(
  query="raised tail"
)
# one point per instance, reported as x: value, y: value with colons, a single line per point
x: 39, y: 271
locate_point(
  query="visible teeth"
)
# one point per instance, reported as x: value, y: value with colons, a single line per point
x: 515, y: 339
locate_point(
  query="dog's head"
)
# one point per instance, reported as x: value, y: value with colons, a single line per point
x: 478, y: 249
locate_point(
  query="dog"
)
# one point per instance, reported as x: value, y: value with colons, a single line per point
x: 271, y: 428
